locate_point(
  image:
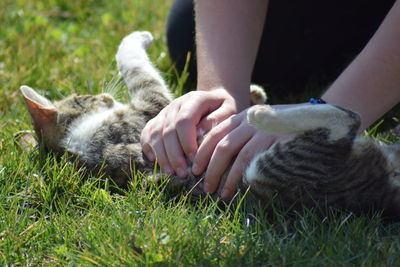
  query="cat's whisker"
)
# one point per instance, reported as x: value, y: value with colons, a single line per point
x: 114, y: 87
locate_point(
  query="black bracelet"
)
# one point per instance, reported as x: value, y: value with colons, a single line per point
x: 316, y: 101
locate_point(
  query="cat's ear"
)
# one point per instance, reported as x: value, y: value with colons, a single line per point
x: 43, y: 112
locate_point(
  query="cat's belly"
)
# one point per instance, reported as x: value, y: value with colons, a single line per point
x: 81, y: 131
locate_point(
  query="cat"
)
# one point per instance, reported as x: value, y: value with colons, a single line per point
x: 324, y: 164
x: 100, y: 131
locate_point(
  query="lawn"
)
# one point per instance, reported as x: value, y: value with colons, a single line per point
x: 51, y: 215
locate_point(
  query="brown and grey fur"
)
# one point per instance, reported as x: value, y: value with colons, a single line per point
x: 325, y: 163
x: 114, y: 141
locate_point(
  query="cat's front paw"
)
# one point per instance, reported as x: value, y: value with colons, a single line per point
x: 257, y: 95
x: 257, y: 115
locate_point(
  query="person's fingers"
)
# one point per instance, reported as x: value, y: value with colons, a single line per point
x: 148, y: 151
x: 214, y: 118
x: 188, y: 118
x: 145, y: 139
x: 172, y: 146
x: 209, y: 143
x: 186, y: 132
x: 224, y: 152
x: 145, y: 142
x: 151, y: 140
x: 161, y: 157
x: 172, y: 134
x: 254, y: 146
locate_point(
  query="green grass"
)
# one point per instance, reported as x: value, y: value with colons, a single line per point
x: 50, y: 215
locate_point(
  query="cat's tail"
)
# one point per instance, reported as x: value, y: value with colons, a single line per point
x: 295, y: 120
x: 146, y: 86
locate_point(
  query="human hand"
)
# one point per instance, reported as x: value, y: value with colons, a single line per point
x: 171, y: 136
x: 234, y: 136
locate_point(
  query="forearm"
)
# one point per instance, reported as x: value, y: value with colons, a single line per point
x: 371, y: 83
x: 228, y: 33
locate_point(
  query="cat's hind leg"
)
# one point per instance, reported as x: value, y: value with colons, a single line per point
x: 295, y: 120
x: 138, y: 72
x: 146, y: 86
x: 132, y: 51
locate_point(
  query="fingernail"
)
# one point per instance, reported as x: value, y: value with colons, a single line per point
x: 150, y: 156
x: 181, y: 172
x: 195, y: 169
x: 225, y: 194
x: 207, y: 188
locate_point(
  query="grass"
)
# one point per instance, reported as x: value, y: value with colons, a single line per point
x: 50, y: 215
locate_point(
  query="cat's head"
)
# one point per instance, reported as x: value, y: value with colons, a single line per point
x: 51, y: 119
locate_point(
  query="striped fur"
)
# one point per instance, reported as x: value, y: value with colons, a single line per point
x: 97, y: 129
x: 325, y: 163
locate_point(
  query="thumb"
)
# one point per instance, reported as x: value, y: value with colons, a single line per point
x: 213, y: 119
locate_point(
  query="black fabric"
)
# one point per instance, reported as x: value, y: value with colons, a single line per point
x: 181, y: 35
x: 301, y: 39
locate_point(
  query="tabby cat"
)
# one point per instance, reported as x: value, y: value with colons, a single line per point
x: 325, y: 163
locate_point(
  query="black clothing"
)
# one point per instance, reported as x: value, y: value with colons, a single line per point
x: 301, y: 39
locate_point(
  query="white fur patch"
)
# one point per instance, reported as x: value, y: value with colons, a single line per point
x: 298, y: 119
x: 82, y: 130
x: 251, y: 173
x: 132, y: 53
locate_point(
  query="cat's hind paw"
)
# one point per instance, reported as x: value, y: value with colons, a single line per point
x: 141, y: 38
x: 301, y: 118
x: 144, y: 37
x: 259, y: 114
x: 132, y: 51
